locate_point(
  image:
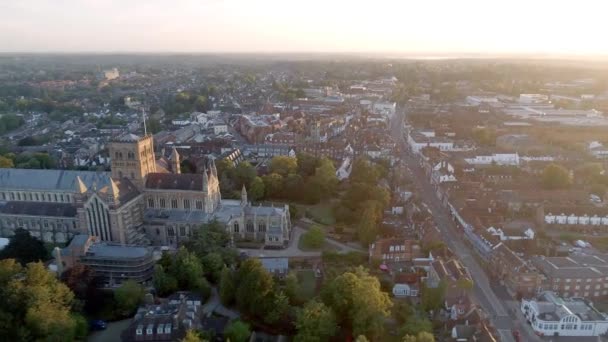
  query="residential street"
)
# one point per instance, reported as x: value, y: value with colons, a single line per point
x: 482, y: 291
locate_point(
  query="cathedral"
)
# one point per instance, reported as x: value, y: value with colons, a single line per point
x: 142, y: 201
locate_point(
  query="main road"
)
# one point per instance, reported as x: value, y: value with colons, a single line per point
x: 482, y: 291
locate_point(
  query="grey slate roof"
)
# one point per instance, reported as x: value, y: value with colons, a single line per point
x: 50, y: 180
x: 39, y: 209
x: 170, y: 181
x: 112, y: 251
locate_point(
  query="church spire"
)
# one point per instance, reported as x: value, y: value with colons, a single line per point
x: 244, y: 196
x: 175, y: 162
x: 205, y: 180
x: 80, y: 187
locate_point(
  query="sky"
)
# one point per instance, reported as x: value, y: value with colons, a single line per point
x: 371, y: 26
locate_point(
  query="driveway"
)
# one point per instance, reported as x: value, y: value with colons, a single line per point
x: 214, y: 304
x: 112, y: 332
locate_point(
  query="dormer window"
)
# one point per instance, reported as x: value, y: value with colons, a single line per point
x: 139, y: 330
x: 150, y: 329
x: 168, y: 329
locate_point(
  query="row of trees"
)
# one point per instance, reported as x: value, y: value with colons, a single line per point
x: 27, y: 161
x: 301, y: 179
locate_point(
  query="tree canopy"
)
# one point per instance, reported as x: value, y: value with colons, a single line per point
x: 35, y: 305
x: 555, y: 177
x: 237, y: 331
x: 315, y: 323
x: 24, y: 248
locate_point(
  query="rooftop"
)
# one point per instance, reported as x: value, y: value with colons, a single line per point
x: 53, y: 180
x: 39, y: 209
x: 114, y: 251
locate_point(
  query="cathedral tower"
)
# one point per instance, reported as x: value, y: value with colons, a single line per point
x: 133, y: 157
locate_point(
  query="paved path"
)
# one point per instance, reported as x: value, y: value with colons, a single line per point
x: 214, y: 304
x: 293, y: 251
x: 111, y: 333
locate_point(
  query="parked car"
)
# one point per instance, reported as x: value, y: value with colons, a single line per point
x: 98, y: 324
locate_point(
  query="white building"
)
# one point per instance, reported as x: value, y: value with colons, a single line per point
x: 528, y: 234
x: 550, y: 315
x: 385, y: 108
x: 477, y: 100
x: 404, y: 290
x: 417, y: 141
x: 508, y: 159
x: 533, y: 98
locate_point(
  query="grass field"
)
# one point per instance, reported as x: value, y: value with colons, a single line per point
x: 321, y: 213
x: 307, y: 288
x: 326, y: 247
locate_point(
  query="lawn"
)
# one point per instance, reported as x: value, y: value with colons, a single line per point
x: 326, y: 246
x: 321, y: 213
x: 307, y: 288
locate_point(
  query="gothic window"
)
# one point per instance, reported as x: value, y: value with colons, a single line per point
x: 31, y: 198
x: 170, y: 231
x: 182, y: 231
x: 250, y: 228
x: 18, y: 196
x: 162, y: 203
x: 199, y: 205
x: 236, y: 227
x: 150, y: 202
x: 187, y: 204
x: 130, y: 155
x: 12, y: 195
x: 132, y: 175
x: 157, y: 232
x: 56, y: 198
x: 60, y: 197
x: 37, y: 197
x: 117, y: 155
x: 262, y: 226
x: 174, y: 204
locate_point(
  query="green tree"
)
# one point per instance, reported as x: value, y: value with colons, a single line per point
x: 128, y: 297
x: 200, y: 103
x: 254, y: 288
x: 307, y: 164
x: 431, y: 299
x: 367, y: 229
x: 244, y: 174
x: 212, y: 237
x: 314, y: 238
x: 291, y: 287
x: 153, y: 126
x: 237, y: 331
x: 484, y: 136
x: 227, y: 286
x: 358, y: 302
x: 256, y: 189
x: 24, y: 248
x: 421, y: 337
x: 417, y: 325
x: 325, y: 177
x: 192, y: 336
x: 402, y: 311
x: 188, y: 270
x: 283, y: 165
x: 278, y: 307
x: 315, y: 323
x: 364, y: 171
x: 6, y: 163
x: 213, y: 264
x: 555, y: 177
x: 35, y: 305
x: 273, y: 185
x: 164, y: 283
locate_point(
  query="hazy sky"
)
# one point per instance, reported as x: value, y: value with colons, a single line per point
x: 426, y: 26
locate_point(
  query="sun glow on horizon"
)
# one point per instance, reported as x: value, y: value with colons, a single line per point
x: 434, y: 26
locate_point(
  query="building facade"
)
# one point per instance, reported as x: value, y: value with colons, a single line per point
x: 141, y: 201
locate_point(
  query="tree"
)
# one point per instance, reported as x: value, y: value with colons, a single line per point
x: 227, y: 286
x: 307, y: 164
x: 128, y: 296
x: 358, y: 302
x: 402, y: 311
x: 361, y: 338
x: 291, y: 287
x: 431, y: 299
x: 416, y: 325
x: 254, y: 289
x: 244, y: 174
x: 273, y: 185
x: 164, y: 283
x: 256, y: 189
x: 24, y: 248
x: 283, y: 165
x: 484, y: 136
x: 6, y: 163
x: 555, y: 177
x: 153, y: 126
x: 367, y: 229
x: 192, y: 336
x: 188, y: 270
x: 79, y: 278
x: 315, y: 323
x: 314, y: 238
x: 213, y: 264
x: 364, y: 171
x: 325, y: 177
x: 421, y: 337
x: 200, y: 103
x: 212, y: 237
x: 35, y: 305
x: 237, y: 331
x: 278, y: 307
